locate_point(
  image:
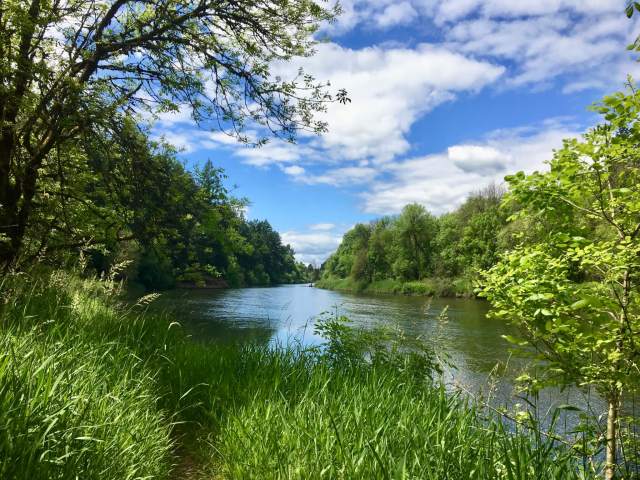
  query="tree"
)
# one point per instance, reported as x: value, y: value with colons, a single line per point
x: 104, y: 189
x: 415, y: 234
x: 481, y: 219
x: 575, y: 291
x: 357, y: 240
x: 68, y: 67
x: 380, y: 252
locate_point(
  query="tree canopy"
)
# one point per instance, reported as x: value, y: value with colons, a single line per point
x: 69, y: 68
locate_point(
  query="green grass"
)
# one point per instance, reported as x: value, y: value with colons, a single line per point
x: 432, y: 287
x: 90, y: 389
x: 73, y: 401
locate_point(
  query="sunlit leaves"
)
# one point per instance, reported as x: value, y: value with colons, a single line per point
x: 573, y: 286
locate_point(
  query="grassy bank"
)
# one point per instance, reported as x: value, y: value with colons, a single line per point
x: 431, y: 287
x: 96, y: 390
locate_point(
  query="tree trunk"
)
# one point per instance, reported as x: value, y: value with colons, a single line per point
x: 9, y: 196
x: 612, y: 433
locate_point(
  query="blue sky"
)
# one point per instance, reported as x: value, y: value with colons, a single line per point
x: 447, y: 97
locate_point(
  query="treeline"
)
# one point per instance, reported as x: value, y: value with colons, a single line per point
x: 417, y: 252
x: 115, y: 197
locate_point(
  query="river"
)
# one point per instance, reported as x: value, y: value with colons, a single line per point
x: 481, y: 361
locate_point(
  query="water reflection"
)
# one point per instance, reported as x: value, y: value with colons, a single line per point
x: 472, y: 342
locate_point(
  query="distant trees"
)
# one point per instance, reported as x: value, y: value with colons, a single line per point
x: 416, y: 245
x: 198, y: 231
x: 379, y: 252
x: 414, y: 234
x: 68, y: 68
x: 266, y: 260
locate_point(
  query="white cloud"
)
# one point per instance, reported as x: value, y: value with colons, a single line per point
x: 312, y: 247
x: 348, y: 19
x: 538, y: 40
x: 345, y: 176
x: 390, y: 89
x: 441, y: 183
x: 227, y: 139
x: 377, y: 14
x: 479, y: 159
x: 396, y: 14
x: 367, y: 12
x: 274, y: 152
x: 452, y: 10
x: 293, y: 170
x: 322, y: 226
x: 544, y: 47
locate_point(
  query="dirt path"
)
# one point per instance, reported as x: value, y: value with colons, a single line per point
x: 186, y: 469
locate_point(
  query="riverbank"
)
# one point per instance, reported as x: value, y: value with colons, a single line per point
x: 93, y: 388
x: 461, y: 287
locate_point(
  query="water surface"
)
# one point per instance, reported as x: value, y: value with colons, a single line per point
x: 482, y: 361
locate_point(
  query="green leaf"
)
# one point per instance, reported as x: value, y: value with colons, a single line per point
x: 580, y: 304
x: 514, y: 340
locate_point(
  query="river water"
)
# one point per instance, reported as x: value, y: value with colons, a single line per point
x: 481, y: 361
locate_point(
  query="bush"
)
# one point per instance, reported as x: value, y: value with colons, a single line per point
x: 416, y: 288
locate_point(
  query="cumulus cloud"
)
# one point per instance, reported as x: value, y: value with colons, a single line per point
x: 376, y: 14
x: 544, y: 47
x: 452, y: 10
x: 479, y: 159
x: 312, y: 247
x: 390, y: 89
x: 440, y: 182
x: 294, y: 170
x: 396, y: 14
x: 338, y: 177
x: 540, y: 39
x: 276, y: 151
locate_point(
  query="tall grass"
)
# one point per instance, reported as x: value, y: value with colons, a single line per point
x: 71, y: 405
x: 92, y: 389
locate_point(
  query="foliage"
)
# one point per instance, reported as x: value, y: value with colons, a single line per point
x: 572, y: 285
x: 416, y: 253
x: 351, y: 346
x: 121, y: 197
